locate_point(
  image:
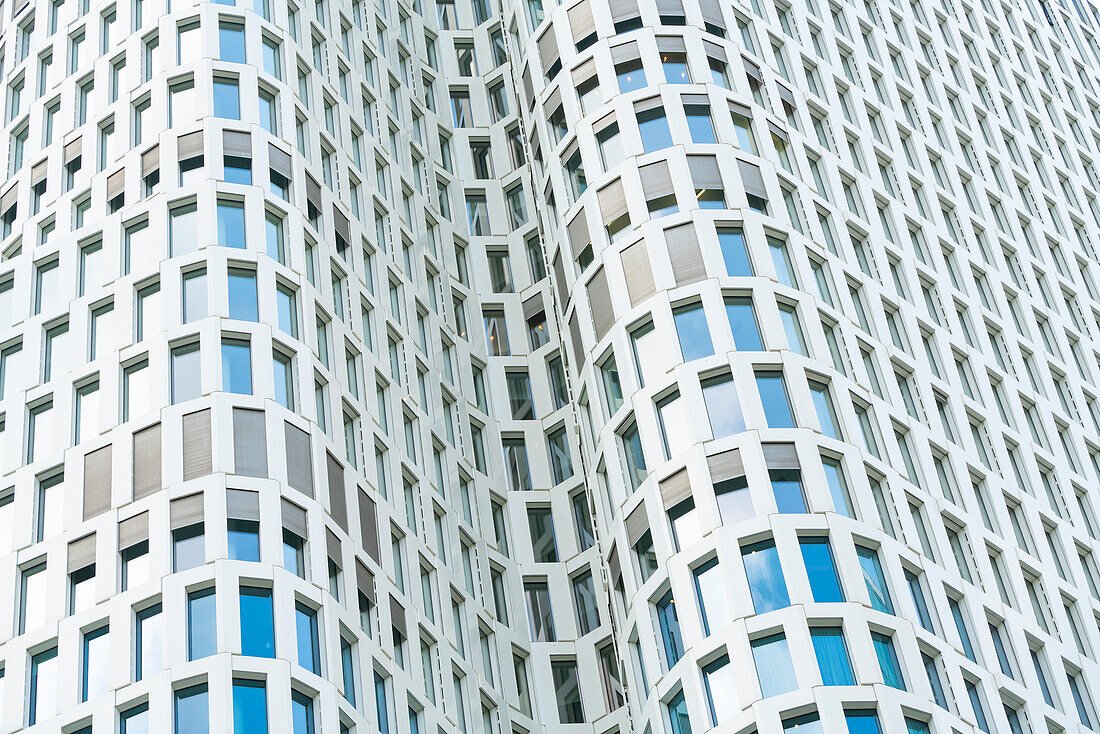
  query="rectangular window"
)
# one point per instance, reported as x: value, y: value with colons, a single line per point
x: 821, y: 570
x: 888, y: 660
x: 202, y: 627
x: 670, y: 629
x: 774, y: 669
x: 568, y: 691
x: 95, y: 666
x: 765, y: 576
x: 191, y: 710
x: 309, y: 654
x: 257, y: 623
x: 875, y: 580
x: 832, y: 656
x: 249, y: 706
x: 149, y: 637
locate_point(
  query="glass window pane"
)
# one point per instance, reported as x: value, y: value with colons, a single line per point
x: 765, y: 577
x: 249, y: 707
x: 821, y: 570
x: 773, y: 665
x: 257, y: 623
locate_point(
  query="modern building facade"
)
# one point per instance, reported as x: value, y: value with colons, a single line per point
x: 613, y: 366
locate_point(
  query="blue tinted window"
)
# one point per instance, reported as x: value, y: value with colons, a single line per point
x: 888, y: 660
x: 192, y: 710
x: 380, y: 703
x: 257, y: 623
x: 631, y: 75
x: 188, y: 547
x: 832, y: 656
x: 742, y: 318
x: 227, y: 100
x: 960, y: 627
x: 787, y: 488
x: 653, y: 126
x: 231, y: 43
x: 916, y: 591
x: 670, y: 629
x: 862, y: 721
x: 765, y: 576
x: 694, y: 334
x: 249, y: 707
x: 773, y: 396
x: 236, y: 367
x: 134, y: 720
x: 876, y: 582
x: 734, y: 254
x: 699, y: 125
x: 821, y: 570
x: 301, y: 711
x: 231, y: 224
x: 244, y: 540
x: 202, y: 628
x: 237, y: 170
x: 305, y: 620
x: 347, y: 667
x: 242, y: 295
x: 976, y: 703
x: 95, y: 663
x: 773, y: 665
x: 678, y: 715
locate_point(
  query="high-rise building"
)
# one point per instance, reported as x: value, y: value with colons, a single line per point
x: 487, y: 366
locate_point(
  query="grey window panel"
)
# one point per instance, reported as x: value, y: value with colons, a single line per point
x: 778, y: 132
x: 73, y: 150
x: 638, y: 272
x: 364, y: 581
x: 197, y: 445
x: 656, y: 180
x: 575, y: 338
x: 786, y: 95
x: 675, y: 489
x: 397, y: 616
x: 624, y: 10
x: 713, y: 50
x: 752, y: 71
x: 625, y: 51
x: 580, y: 21
x: 705, y: 175
x: 116, y: 183
x: 751, y: 179
x: 236, y: 144
x: 97, y: 482
x: 684, y: 254
x: 780, y: 456
x: 614, y: 568
x: 637, y: 523
x: 81, y: 553
x: 712, y: 12
x: 599, y: 302
x: 313, y: 192
x: 612, y: 200
x: 133, y: 530
x: 147, y: 461
x: 368, y: 526
x: 249, y: 443
x: 38, y: 173
x: 332, y: 545
x: 295, y: 519
x: 279, y: 161
x: 337, y: 495
x: 671, y: 44
x: 341, y: 224
x: 186, y: 511
x: 725, y: 465
x: 10, y: 198
x: 189, y: 145
x: 740, y: 109
x: 299, y: 460
x: 646, y: 105
x: 242, y: 504
x: 584, y: 72
x: 669, y: 7
x: 579, y: 237
x: 533, y: 306
x: 528, y: 87
x: 548, y: 48
x: 559, y: 280
x: 150, y: 161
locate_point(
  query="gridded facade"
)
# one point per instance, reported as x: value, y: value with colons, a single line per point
x: 615, y: 366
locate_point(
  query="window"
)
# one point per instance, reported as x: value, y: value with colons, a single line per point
x: 149, y: 637
x: 32, y: 596
x: 670, y: 629
x: 309, y: 653
x: 773, y: 398
x: 693, y: 332
x: 875, y: 580
x: 301, y: 713
x: 191, y: 710
x: 653, y: 127
x: 257, y: 623
x: 678, y: 714
x: 202, y: 628
x: 347, y: 669
x: 826, y: 416
x: 723, y: 405
x: 236, y: 366
x: 188, y: 547
x: 134, y: 720
x: 539, y: 615
x: 95, y: 663
x: 231, y: 42
x: 186, y: 373
x: 821, y: 570
x: 742, y: 318
x: 710, y: 593
x: 888, y: 661
x: 718, y: 677
x: 230, y: 223
x: 227, y: 101
x: 773, y: 664
x: 568, y: 691
x: 765, y: 576
x: 249, y: 706
x: 541, y: 523
x: 832, y: 656
x: 585, y: 602
x: 242, y: 294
